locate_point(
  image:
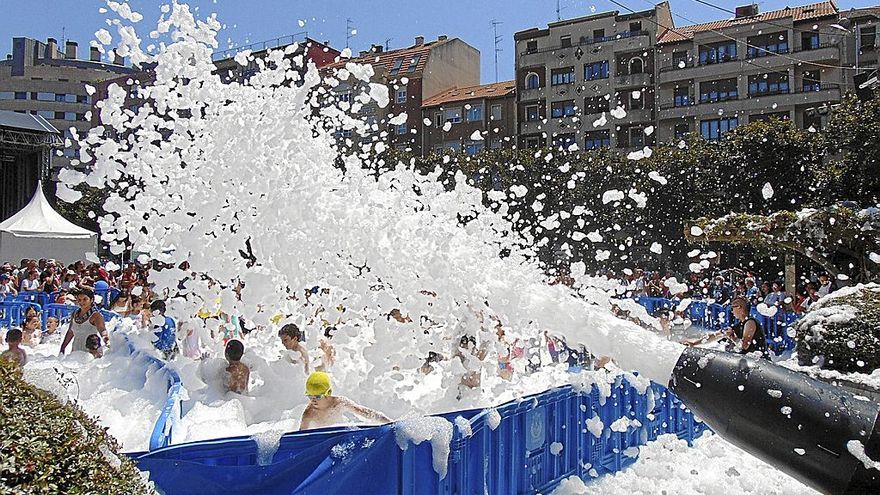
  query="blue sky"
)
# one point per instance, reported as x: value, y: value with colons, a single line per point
x: 400, y: 20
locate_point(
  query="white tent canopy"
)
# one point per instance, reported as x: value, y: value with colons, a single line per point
x: 38, y: 231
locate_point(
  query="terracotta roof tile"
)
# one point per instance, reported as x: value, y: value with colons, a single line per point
x: 384, y: 61
x: 802, y: 13
x: 493, y: 90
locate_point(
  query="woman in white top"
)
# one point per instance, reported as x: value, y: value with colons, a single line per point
x: 87, y: 320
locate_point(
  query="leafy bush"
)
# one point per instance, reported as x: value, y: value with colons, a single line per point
x: 843, y: 331
x: 49, y: 447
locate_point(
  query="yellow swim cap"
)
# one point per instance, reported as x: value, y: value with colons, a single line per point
x: 318, y: 383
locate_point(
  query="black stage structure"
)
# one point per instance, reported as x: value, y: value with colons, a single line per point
x: 26, y: 146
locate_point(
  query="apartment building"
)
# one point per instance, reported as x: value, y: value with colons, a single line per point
x: 572, y: 72
x: 38, y: 78
x: 783, y: 63
x: 450, y: 119
x: 413, y: 75
x: 312, y: 51
x: 861, y: 46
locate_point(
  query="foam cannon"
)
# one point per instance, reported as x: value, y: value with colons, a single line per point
x: 789, y: 420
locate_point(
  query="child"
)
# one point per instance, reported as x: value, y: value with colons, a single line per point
x: 93, y: 346
x: 51, y: 328
x: 325, y: 409
x: 15, y: 353
x: 166, y: 334
x: 31, y: 332
x: 291, y: 338
x: 237, y: 373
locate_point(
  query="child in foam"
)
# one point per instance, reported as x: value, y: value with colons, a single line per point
x: 326, y: 410
x: 291, y: 338
x: 15, y: 353
x: 237, y: 373
x: 31, y: 331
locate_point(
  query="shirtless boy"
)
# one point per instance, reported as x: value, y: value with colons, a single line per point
x: 325, y: 409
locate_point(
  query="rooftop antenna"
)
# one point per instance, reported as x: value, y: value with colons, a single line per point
x: 388, y: 43
x: 350, y: 32
x: 559, y: 11
x: 495, y: 24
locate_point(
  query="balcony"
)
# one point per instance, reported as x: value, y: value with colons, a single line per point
x: 809, y: 95
x: 631, y: 41
x: 823, y: 52
x: 642, y: 80
x: 532, y: 94
x: 533, y: 127
x: 693, y: 69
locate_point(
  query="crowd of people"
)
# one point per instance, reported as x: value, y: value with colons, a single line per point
x: 722, y: 288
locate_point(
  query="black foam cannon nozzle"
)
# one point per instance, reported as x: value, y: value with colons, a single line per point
x: 797, y: 424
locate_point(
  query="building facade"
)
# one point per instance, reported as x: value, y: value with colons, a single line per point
x: 38, y: 78
x: 783, y: 64
x: 450, y: 119
x: 589, y: 81
x: 413, y: 75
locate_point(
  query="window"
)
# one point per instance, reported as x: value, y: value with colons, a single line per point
x: 533, y: 114
x: 401, y: 95
x: 531, y: 46
x: 453, y: 115
x: 344, y: 133
x: 681, y: 130
x: 562, y: 76
x: 636, y: 137
x: 81, y: 116
x: 46, y: 114
x: 21, y: 95
x: 596, y: 70
x: 59, y: 115
x: 635, y: 100
x: 762, y: 46
x: 563, y: 140
x: 809, y: 41
x: 413, y: 63
x: 438, y: 119
x: 812, y: 81
x: 86, y: 99
x: 475, y: 113
x: 598, y: 35
x: 559, y: 109
x: 401, y: 129
x: 7, y: 95
x: 565, y: 41
x: 768, y: 84
x: 715, y: 91
x: 716, y: 128
x: 636, y: 66
x: 533, y: 81
x: 679, y: 60
x: 345, y: 97
x: 681, y: 96
x: 45, y: 96
x: 495, y: 112
x: 59, y: 97
x: 812, y: 119
x: 597, y: 139
x: 496, y: 143
x: 595, y: 104
x: 868, y: 37
x: 533, y: 142
x: 718, y: 52
x: 635, y: 27
x: 471, y: 148
x: 395, y: 66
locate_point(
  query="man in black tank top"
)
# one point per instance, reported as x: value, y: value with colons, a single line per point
x: 747, y: 335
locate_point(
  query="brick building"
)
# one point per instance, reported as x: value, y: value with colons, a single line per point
x: 489, y: 109
x: 413, y: 75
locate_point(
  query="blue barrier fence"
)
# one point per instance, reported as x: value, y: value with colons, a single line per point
x: 171, y: 409
x: 537, y: 442
x: 107, y: 296
x: 713, y: 317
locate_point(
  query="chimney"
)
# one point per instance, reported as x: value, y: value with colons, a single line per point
x: 420, y: 40
x: 51, y: 48
x: 746, y: 11
x: 378, y: 48
x: 442, y: 37
x: 118, y: 59
x: 70, y: 50
x: 94, y: 54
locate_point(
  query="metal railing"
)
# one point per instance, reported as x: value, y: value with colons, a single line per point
x: 260, y: 45
x: 588, y: 41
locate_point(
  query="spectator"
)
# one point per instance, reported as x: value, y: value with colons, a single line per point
x: 776, y: 297
x: 811, y: 297
x: 764, y: 292
x: 825, y: 285
x: 237, y: 373
x: 325, y: 409
x: 14, y: 353
x: 751, y: 290
x: 7, y: 286
x: 87, y: 320
x: 720, y: 290
x: 291, y: 338
x: 166, y: 333
x: 30, y: 284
